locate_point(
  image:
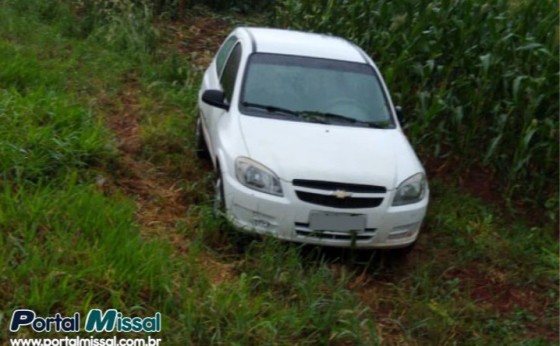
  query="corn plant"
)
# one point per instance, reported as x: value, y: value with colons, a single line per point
x: 477, y: 79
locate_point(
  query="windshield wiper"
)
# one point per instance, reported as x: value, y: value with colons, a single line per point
x: 326, y: 115
x: 314, y: 116
x: 270, y: 108
x: 275, y: 109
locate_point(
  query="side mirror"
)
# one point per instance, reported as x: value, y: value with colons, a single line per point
x: 398, y: 110
x: 215, y: 98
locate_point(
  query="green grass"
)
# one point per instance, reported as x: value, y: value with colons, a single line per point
x: 59, y: 249
x: 69, y: 243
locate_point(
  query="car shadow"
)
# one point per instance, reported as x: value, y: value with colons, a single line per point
x: 372, y: 262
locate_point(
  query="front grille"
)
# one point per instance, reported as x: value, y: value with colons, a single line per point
x: 335, y: 202
x: 329, y: 185
x: 302, y: 229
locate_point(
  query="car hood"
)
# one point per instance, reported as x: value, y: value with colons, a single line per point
x: 300, y: 150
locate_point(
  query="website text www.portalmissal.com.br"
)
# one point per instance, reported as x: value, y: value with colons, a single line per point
x: 90, y: 341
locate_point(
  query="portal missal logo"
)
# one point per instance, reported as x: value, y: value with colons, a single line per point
x: 96, y: 321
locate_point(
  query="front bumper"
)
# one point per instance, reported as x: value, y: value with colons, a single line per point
x: 287, y: 218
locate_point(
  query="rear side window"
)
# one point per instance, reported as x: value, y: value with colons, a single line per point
x: 223, y: 54
x: 230, y: 71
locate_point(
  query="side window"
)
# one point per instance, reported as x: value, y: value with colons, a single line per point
x: 223, y: 54
x: 230, y: 71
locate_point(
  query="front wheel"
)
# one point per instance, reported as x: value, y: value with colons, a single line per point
x: 219, y: 205
x: 201, y: 148
x: 403, y: 252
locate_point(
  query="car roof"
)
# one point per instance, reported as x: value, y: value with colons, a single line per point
x: 291, y: 42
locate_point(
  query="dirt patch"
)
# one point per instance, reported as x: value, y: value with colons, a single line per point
x: 489, y: 289
x: 157, y: 198
x: 198, y: 38
x: 482, y: 183
x: 478, y: 181
x: 495, y: 293
x: 160, y: 202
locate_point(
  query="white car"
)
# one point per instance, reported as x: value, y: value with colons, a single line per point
x: 306, y: 142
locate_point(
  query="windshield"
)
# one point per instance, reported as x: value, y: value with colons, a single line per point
x: 316, y: 90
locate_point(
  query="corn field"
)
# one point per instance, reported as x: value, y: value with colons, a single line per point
x: 478, y: 80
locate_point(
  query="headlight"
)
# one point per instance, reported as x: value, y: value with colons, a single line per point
x: 411, y: 190
x: 257, y: 177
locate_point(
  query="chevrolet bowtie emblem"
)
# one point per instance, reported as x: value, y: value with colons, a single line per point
x: 341, y: 194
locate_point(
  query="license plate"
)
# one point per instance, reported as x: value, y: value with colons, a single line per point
x: 336, y: 222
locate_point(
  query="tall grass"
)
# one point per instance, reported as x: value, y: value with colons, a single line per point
x: 478, y: 79
x: 124, y: 25
x: 60, y: 252
x: 44, y: 136
x: 179, y: 9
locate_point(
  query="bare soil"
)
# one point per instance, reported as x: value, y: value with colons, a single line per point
x: 160, y: 202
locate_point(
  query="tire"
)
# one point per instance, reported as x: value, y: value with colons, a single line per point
x: 219, y: 203
x: 201, y: 147
x: 403, y: 252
